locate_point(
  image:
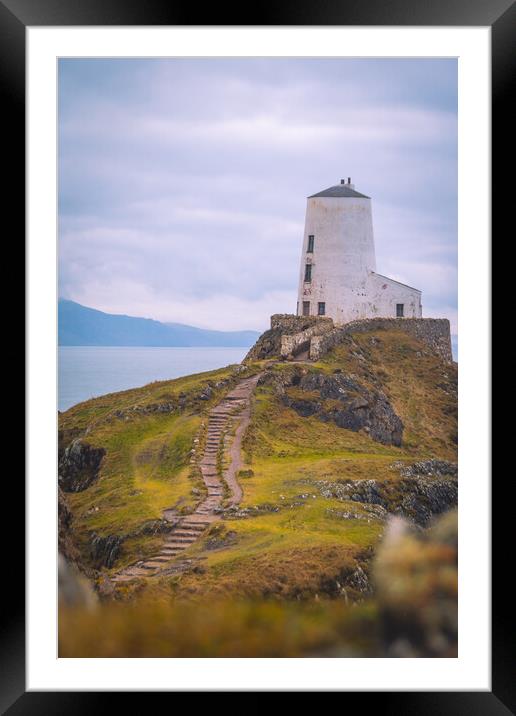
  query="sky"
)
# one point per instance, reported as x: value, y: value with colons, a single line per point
x: 183, y: 182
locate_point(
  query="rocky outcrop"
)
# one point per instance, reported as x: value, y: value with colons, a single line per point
x: 366, y: 491
x: 425, y: 490
x: 65, y: 437
x: 428, y: 468
x: 219, y: 537
x: 429, y: 488
x: 153, y: 527
x: 79, y: 466
x: 425, y: 498
x: 105, y: 550
x: 351, y: 584
x: 346, y: 402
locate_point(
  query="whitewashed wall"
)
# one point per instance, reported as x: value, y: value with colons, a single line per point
x: 384, y: 293
x: 344, y: 264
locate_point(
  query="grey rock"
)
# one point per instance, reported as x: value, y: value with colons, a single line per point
x: 427, y: 468
x: 358, y: 407
x: 105, y: 550
x: 79, y: 466
x: 207, y: 393
x: 416, y: 497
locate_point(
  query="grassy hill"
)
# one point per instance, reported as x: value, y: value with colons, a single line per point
x: 317, y: 495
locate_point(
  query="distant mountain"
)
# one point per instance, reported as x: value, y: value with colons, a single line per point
x: 82, y: 326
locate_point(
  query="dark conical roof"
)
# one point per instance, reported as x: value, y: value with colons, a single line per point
x: 340, y: 190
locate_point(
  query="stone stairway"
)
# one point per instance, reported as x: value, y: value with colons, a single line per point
x: 232, y: 413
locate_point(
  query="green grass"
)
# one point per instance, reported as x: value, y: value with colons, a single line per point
x: 145, y: 471
x: 286, y: 456
x: 422, y: 390
x: 296, y: 541
x: 146, y: 468
x: 267, y: 582
x: 94, y: 411
x: 288, y: 553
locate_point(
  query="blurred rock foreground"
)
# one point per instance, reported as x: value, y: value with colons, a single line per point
x: 415, y: 572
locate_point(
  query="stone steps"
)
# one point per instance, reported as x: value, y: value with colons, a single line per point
x: 180, y: 540
x: 189, y: 529
x: 199, y: 525
x: 150, y: 565
x: 174, y: 547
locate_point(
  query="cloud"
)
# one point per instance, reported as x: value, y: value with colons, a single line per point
x: 182, y: 183
x: 221, y: 311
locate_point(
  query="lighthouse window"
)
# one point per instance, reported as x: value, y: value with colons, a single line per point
x: 310, y: 248
x: 306, y: 308
x: 399, y: 310
x: 308, y: 273
x: 321, y: 308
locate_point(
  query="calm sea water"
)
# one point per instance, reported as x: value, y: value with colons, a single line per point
x: 89, y: 371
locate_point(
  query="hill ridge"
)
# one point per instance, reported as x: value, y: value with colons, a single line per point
x: 80, y: 325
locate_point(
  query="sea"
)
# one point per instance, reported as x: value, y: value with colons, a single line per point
x: 89, y: 371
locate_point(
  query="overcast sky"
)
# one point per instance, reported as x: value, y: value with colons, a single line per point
x: 183, y: 183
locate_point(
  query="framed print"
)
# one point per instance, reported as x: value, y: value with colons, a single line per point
x: 255, y: 249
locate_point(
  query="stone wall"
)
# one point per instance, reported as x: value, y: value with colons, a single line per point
x: 288, y: 323
x: 295, y: 343
x: 433, y: 332
x: 291, y: 334
x: 268, y: 344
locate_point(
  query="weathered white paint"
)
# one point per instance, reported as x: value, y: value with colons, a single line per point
x: 384, y: 293
x: 344, y: 264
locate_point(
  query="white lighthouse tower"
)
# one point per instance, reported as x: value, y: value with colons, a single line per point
x: 338, y: 275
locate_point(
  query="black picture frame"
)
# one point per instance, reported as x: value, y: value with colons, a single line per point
x: 15, y: 17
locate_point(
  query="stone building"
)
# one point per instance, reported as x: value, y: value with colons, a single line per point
x: 338, y: 276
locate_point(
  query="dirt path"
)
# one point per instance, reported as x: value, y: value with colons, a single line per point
x: 242, y: 393
x: 231, y: 414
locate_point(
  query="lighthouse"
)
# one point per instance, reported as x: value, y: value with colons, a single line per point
x: 338, y: 276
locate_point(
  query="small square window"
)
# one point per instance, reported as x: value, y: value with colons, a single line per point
x: 321, y: 308
x: 308, y: 273
x: 306, y: 308
x: 310, y: 248
x: 399, y: 310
